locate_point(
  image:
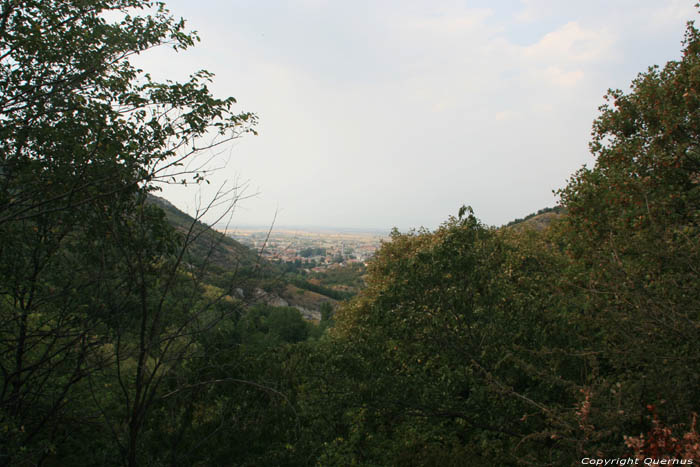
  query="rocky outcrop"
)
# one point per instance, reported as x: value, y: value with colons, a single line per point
x: 269, y: 298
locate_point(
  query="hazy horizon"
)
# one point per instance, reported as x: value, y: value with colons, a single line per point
x: 305, y: 228
x: 382, y: 114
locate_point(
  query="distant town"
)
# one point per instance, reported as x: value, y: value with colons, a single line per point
x: 315, y: 250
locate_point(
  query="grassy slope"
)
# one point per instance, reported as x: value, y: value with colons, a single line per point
x: 539, y: 220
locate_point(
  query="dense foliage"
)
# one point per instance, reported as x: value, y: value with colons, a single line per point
x: 475, y: 346
x: 129, y: 336
x: 97, y: 308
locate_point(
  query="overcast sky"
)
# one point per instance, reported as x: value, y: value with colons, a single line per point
x: 376, y: 114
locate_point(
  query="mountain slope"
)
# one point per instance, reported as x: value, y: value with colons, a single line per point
x: 539, y: 220
x: 223, y: 253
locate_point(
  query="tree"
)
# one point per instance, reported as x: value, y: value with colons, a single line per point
x: 538, y: 348
x: 79, y: 122
x: 633, y: 234
x: 84, y: 136
x: 433, y: 362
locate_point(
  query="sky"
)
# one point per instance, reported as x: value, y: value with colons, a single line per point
x: 380, y: 114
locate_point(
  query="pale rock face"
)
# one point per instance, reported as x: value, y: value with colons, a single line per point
x: 311, y: 315
x: 273, y: 299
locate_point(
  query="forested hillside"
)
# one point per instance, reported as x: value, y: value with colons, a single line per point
x: 219, y: 251
x: 133, y: 335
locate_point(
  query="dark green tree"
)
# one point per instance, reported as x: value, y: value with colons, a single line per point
x: 433, y: 363
x: 84, y: 136
x: 633, y: 234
